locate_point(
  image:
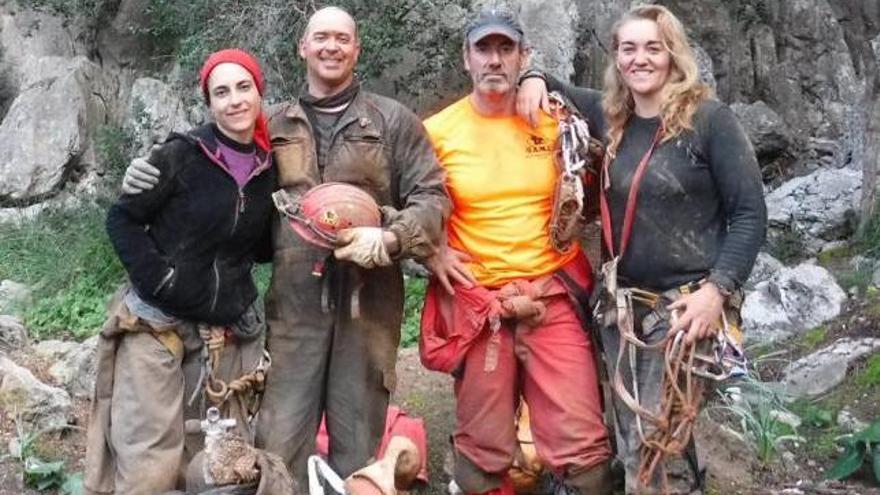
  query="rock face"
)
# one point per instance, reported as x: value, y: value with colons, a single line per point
x: 13, y: 296
x: 71, y: 364
x: 789, y: 55
x: 28, y: 35
x: 24, y: 397
x: 766, y: 129
x: 823, y: 370
x: 551, y: 28
x: 783, y: 66
x: 766, y: 266
x: 48, y: 128
x: 790, y: 301
x: 818, y: 208
x: 154, y: 110
x: 13, y: 335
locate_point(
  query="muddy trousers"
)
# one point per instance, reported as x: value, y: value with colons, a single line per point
x: 332, y: 358
x: 136, y: 442
x: 682, y: 470
x: 136, y: 437
x: 553, y: 367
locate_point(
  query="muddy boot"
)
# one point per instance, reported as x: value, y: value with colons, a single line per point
x: 471, y: 479
x: 594, y: 480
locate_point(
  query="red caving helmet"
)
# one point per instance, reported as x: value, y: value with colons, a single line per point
x: 319, y: 214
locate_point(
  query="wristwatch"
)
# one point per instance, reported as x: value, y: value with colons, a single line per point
x: 725, y: 286
x: 529, y: 74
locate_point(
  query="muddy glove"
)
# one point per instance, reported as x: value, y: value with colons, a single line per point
x: 364, y: 246
x: 140, y: 176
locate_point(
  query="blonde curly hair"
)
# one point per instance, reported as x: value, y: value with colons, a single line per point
x: 682, y: 93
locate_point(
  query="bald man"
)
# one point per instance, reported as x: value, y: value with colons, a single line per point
x: 334, y: 324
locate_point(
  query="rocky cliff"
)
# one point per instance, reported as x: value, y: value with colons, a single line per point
x: 86, y: 83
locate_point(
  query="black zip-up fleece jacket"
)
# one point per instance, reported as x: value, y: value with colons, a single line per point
x: 189, y: 243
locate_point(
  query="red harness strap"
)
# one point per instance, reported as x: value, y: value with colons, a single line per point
x: 629, y: 214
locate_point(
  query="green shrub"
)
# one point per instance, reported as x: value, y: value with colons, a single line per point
x: 868, y: 241
x: 115, y: 146
x: 814, y: 337
x: 859, y: 278
x: 39, y: 474
x: 870, y: 376
x: 66, y: 258
x: 189, y: 30
x: 412, y: 311
x: 758, y: 414
x: 787, y: 246
x: 860, y: 448
x: 812, y: 414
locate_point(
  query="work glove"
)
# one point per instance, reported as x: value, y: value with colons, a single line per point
x: 140, y: 176
x: 362, y: 245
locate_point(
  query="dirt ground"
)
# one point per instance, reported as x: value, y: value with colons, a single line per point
x: 429, y: 395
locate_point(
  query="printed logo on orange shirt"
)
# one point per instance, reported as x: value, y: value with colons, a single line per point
x: 537, y: 145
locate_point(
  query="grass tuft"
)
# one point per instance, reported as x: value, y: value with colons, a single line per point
x: 65, y: 257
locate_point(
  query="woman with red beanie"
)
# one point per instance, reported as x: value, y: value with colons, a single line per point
x: 185, y: 327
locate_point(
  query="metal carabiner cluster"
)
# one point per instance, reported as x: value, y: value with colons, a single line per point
x: 574, y: 133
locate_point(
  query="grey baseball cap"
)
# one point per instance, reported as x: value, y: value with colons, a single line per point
x: 494, y: 20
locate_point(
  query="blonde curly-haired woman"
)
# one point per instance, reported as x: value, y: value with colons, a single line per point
x: 691, y: 230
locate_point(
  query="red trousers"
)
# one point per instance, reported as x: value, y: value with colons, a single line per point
x: 553, y: 367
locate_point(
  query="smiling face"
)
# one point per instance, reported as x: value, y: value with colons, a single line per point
x: 330, y: 48
x: 494, y: 62
x: 234, y: 101
x: 642, y: 57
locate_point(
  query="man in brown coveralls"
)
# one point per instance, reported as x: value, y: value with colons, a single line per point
x: 333, y: 338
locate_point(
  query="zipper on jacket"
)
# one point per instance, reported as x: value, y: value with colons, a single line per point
x: 216, y: 286
x: 239, y: 209
x: 165, y: 280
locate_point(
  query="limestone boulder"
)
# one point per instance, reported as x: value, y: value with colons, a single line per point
x: 818, y: 208
x: 23, y: 397
x: 154, y: 110
x: 14, y: 296
x: 13, y: 334
x: 821, y: 371
x: 551, y: 28
x: 48, y: 129
x: 765, y: 268
x: 70, y: 364
x: 767, y: 131
x: 26, y: 35
x: 791, y: 301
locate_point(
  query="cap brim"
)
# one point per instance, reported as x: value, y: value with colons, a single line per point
x: 484, y: 31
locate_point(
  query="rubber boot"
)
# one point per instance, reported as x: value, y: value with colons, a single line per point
x: 470, y: 478
x: 594, y: 480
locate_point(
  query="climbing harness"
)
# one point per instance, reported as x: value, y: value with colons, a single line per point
x: 688, y: 369
x: 688, y: 366
x: 247, y: 388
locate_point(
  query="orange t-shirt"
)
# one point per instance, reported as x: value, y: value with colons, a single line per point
x: 501, y: 177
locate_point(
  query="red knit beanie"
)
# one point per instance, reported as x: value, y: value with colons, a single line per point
x: 250, y: 64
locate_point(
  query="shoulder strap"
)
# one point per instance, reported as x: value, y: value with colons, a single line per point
x: 629, y: 215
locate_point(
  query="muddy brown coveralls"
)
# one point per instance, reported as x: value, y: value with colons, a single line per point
x: 334, y: 327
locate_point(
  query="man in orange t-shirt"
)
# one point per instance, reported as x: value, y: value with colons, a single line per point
x: 501, y: 177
